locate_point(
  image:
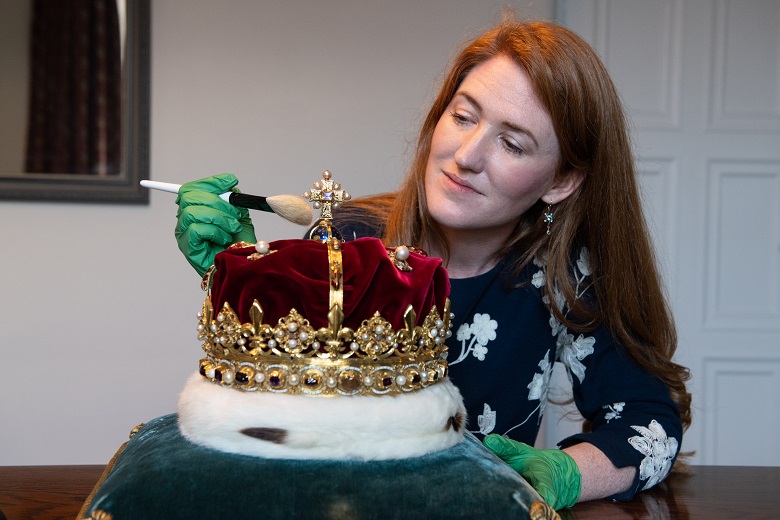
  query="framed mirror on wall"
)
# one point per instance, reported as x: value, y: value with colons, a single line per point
x: 74, y: 100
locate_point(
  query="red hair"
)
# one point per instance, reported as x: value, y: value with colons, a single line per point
x: 603, y: 214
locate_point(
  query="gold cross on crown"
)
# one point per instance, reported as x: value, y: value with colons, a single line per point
x: 326, y: 195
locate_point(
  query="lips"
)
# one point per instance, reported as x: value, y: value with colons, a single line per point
x: 460, y: 183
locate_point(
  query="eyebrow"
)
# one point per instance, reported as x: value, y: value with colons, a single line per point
x: 507, y: 124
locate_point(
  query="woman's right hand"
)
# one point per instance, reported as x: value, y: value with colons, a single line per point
x: 207, y: 224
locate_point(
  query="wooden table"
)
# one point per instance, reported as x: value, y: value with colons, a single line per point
x: 712, y: 492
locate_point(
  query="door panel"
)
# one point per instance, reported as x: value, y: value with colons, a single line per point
x: 701, y: 83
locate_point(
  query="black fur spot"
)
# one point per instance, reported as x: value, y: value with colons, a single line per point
x: 275, y: 435
x: 455, y: 422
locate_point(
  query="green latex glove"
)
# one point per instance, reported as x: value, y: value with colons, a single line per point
x: 552, y: 473
x: 207, y: 224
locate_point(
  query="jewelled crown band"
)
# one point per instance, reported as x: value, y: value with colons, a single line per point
x: 291, y: 356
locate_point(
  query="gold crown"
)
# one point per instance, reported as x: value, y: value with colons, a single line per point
x: 295, y: 358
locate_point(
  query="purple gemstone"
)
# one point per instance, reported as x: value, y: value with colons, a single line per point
x: 387, y: 381
x: 218, y: 374
x: 275, y: 381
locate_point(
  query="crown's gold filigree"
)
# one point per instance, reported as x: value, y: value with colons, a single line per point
x: 293, y: 357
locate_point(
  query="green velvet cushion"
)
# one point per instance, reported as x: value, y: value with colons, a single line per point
x: 159, y: 474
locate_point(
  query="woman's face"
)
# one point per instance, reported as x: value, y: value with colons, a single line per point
x: 493, y: 154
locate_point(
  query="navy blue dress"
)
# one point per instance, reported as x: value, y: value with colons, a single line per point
x: 504, y: 343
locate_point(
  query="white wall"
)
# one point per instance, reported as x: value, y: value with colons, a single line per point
x: 97, y: 306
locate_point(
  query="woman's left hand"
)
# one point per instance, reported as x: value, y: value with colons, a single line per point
x: 552, y: 473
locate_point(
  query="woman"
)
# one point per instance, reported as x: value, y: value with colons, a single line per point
x: 523, y: 182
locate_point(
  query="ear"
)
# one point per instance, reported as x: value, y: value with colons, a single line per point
x: 564, y: 185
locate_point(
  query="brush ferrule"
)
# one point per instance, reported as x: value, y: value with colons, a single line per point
x: 250, y: 202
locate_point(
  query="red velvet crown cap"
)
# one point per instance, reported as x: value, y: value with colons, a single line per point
x: 295, y: 276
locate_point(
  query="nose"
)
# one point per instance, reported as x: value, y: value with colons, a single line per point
x: 470, y: 154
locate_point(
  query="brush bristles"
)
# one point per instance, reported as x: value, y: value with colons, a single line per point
x: 292, y: 208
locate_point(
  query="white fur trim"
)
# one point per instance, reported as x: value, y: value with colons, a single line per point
x: 357, y: 427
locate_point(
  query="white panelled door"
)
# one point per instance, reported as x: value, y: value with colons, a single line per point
x: 701, y: 82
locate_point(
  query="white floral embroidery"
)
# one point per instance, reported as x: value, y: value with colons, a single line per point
x: 486, y: 421
x: 658, y: 449
x: 484, y: 328
x: 537, y: 388
x: 556, y: 326
x: 570, y: 351
x: 583, y: 263
x: 481, y: 332
x: 537, y: 280
x: 464, y: 332
x: 614, y: 410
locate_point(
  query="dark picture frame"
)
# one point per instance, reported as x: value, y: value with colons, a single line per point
x: 122, y: 187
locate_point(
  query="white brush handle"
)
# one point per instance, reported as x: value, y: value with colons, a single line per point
x: 173, y: 188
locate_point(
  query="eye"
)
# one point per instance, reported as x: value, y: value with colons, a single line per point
x: 512, y: 147
x: 460, y: 119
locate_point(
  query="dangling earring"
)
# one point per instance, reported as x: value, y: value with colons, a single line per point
x: 547, y: 217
